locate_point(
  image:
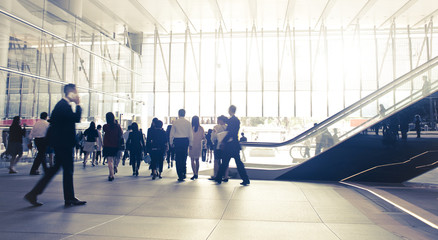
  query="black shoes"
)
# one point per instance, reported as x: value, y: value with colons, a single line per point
x: 225, y: 180
x: 244, y: 183
x: 110, y: 179
x: 194, y: 177
x: 74, y: 202
x: 32, y: 199
x: 180, y: 180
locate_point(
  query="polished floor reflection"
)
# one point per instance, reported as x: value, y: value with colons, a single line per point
x: 141, y: 208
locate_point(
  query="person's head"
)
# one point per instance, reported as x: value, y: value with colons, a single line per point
x: 16, y: 120
x: 92, y: 125
x: 181, y: 113
x: 134, y: 127
x: 129, y: 128
x: 243, y: 134
x: 154, y: 121
x: 43, y: 115
x: 70, y: 90
x: 232, y: 110
x: 110, y: 119
x: 159, y: 124
x: 195, y: 123
x: 221, y: 120
x: 99, y: 127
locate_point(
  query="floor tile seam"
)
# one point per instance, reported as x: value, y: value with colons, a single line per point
x: 130, y: 237
x: 48, y: 233
x: 90, y: 228
x: 223, y: 214
x: 320, y: 218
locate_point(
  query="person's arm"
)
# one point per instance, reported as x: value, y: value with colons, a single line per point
x: 190, y: 136
x: 172, y: 134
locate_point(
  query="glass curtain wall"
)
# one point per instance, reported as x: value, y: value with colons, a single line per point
x: 285, y: 80
x: 44, y: 46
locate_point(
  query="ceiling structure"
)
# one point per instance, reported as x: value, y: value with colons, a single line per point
x: 239, y: 15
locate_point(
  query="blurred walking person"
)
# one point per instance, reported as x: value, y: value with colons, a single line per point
x: 231, y: 148
x: 39, y: 132
x: 91, y: 136
x: 217, y: 135
x: 111, y: 141
x: 181, y: 137
x: 135, y: 145
x: 171, y: 152
x: 99, y: 145
x: 61, y: 135
x: 195, y: 150
x: 156, y: 145
x: 15, y: 144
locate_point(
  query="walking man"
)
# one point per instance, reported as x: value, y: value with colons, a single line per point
x: 181, y: 138
x: 39, y: 133
x: 61, y: 135
x: 231, y: 148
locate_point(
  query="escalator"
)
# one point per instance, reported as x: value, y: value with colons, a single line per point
x: 341, y: 148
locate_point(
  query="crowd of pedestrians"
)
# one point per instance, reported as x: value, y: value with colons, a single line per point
x: 109, y: 144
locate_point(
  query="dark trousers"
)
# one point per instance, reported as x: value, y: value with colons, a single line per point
x: 135, y: 160
x: 181, y: 148
x: 170, y: 155
x: 125, y: 155
x: 226, y: 157
x: 40, y: 159
x: 64, y: 159
x: 157, y: 159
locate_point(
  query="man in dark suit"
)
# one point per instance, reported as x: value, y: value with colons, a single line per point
x: 231, y: 148
x: 61, y: 135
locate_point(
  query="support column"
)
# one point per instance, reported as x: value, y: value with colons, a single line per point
x: 4, y: 55
x: 91, y: 79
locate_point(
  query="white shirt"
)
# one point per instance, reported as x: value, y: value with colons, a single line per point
x: 126, y: 135
x: 40, y: 129
x: 181, y: 128
x: 216, y: 136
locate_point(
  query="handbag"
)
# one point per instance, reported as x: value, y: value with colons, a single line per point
x: 147, y: 159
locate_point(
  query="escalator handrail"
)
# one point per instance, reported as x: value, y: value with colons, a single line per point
x: 371, y: 97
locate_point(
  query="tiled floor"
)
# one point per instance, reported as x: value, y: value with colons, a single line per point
x: 140, y: 208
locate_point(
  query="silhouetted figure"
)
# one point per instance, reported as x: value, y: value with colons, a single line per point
x: 426, y: 87
x: 156, y: 145
x: 111, y: 143
x: 125, y: 137
x: 181, y: 137
x: 99, y: 144
x: 404, y: 126
x: 171, y: 152
x: 61, y: 135
x: 91, y: 136
x: 195, y: 149
x: 218, y: 134
x: 231, y: 148
x: 15, y: 144
x: 38, y: 132
x: 135, y: 145
x: 417, y: 123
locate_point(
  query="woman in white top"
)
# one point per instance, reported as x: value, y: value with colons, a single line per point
x: 196, y: 148
x: 218, y: 134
